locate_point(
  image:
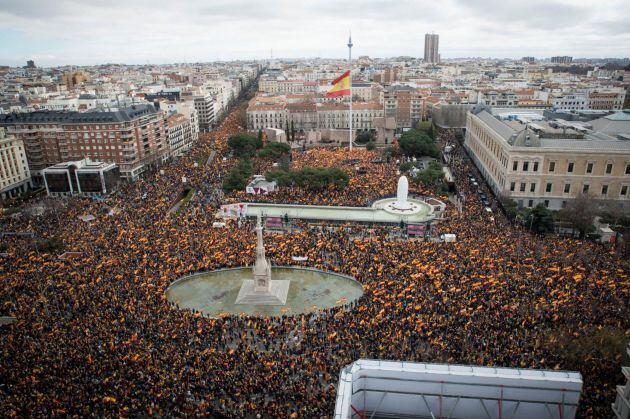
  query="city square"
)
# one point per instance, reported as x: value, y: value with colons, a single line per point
x: 310, y: 238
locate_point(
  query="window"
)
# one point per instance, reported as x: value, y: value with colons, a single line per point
x: 525, y: 166
x: 512, y: 186
x: 604, y: 189
x: 570, y: 167
x: 535, y: 166
x: 609, y: 167
x: 530, y: 203
x: 522, y: 187
x: 552, y: 166
x: 567, y: 187
x: 546, y: 203
x: 589, y: 167
x: 624, y: 190
x: 515, y: 166
x: 627, y: 169
x: 532, y: 187
x: 585, y: 189
x: 564, y: 204
x: 548, y: 187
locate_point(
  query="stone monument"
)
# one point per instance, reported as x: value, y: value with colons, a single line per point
x: 262, y: 290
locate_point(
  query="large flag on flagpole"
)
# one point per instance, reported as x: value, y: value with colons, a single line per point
x: 341, y: 86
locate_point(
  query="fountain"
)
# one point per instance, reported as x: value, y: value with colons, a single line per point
x: 251, y: 291
x: 402, y: 206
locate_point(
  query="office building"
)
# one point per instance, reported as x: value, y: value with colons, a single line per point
x: 431, y: 48
x: 15, y: 177
x: 82, y: 177
x: 532, y: 160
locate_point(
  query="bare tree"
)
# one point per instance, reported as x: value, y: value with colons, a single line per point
x: 580, y: 213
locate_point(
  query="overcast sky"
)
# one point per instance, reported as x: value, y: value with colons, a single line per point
x: 58, y: 32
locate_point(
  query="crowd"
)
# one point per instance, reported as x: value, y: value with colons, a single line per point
x: 95, y: 335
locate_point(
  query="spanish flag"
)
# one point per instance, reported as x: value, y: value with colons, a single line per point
x: 341, y: 86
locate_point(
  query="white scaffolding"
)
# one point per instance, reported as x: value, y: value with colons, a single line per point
x: 377, y: 389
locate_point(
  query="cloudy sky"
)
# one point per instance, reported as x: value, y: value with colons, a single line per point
x: 58, y: 32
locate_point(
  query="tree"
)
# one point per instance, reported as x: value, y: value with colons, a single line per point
x: 510, y: 207
x: 364, y: 136
x: 315, y: 178
x: 418, y: 144
x: 238, y: 176
x: 284, y: 163
x: 370, y: 145
x: 275, y: 150
x: 292, y: 131
x: 432, y: 175
x: 580, y: 213
x: 244, y: 145
x: 426, y: 127
x: 286, y: 130
x: 260, y: 136
x: 540, y: 219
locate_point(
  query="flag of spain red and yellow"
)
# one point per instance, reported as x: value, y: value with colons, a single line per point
x: 341, y: 86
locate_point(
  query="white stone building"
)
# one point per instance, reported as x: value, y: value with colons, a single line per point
x: 15, y: 176
x: 570, y: 101
x: 549, y: 162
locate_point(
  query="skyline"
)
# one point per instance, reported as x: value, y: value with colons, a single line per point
x: 72, y: 32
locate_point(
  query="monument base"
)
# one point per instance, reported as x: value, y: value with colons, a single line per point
x: 276, y: 297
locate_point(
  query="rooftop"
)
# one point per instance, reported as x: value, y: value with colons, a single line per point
x: 528, y: 128
x: 71, y: 117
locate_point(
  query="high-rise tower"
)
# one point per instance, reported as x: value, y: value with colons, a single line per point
x: 431, y: 43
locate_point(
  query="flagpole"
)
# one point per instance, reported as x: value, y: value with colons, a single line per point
x: 350, y: 75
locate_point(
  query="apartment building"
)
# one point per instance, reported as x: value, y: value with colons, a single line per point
x: 532, y: 160
x: 267, y: 85
x: 606, y: 100
x: 405, y: 104
x: 497, y: 98
x: 205, y: 107
x: 182, y: 133
x: 134, y: 138
x: 15, y: 177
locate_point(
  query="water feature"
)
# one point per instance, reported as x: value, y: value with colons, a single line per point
x: 214, y: 293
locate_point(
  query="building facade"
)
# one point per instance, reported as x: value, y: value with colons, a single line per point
x: 308, y: 116
x: 405, y: 104
x: 606, y: 100
x: 570, y: 102
x: 205, y: 107
x: 15, y: 176
x: 182, y: 133
x: 134, y: 138
x: 551, y: 162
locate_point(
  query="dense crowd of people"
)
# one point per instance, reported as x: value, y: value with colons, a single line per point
x: 95, y: 335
